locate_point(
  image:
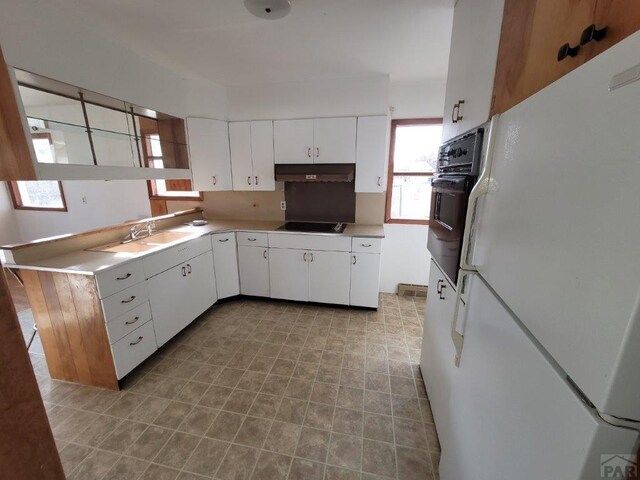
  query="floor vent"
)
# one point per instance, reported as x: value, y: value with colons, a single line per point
x: 410, y: 290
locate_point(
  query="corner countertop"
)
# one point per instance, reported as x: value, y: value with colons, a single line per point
x: 91, y: 262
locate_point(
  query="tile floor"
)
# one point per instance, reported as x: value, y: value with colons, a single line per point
x: 259, y: 390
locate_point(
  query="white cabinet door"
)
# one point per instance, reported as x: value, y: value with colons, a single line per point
x: 438, y: 352
x: 293, y: 141
x: 209, y: 153
x: 371, y: 154
x: 365, y: 279
x: 262, y: 155
x: 472, y: 63
x: 289, y: 274
x: 201, y: 285
x: 334, y: 140
x: 241, y: 164
x: 169, y: 305
x: 225, y: 261
x: 329, y: 277
x: 253, y: 264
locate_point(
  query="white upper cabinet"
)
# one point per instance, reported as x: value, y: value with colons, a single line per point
x: 293, y: 141
x: 334, y: 140
x: 241, y: 164
x: 262, y: 155
x: 371, y: 154
x: 472, y: 64
x: 323, y: 140
x: 209, y: 152
x: 252, y: 155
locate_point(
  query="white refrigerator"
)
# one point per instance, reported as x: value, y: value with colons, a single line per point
x: 548, y: 321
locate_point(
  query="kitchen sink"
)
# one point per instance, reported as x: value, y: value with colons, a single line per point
x: 143, y: 245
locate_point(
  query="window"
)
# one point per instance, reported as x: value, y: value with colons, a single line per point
x: 164, y: 189
x: 413, y: 155
x: 43, y: 195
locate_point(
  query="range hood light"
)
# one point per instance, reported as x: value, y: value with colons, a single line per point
x: 268, y: 9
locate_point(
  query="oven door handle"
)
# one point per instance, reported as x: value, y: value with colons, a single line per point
x: 449, y: 185
x: 481, y: 188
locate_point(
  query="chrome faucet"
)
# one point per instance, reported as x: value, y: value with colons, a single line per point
x: 135, y: 231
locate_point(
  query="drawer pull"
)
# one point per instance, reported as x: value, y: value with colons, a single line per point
x: 311, y: 257
x: 133, y: 297
x: 441, y: 293
x: 264, y: 254
x: 354, y: 260
x: 365, y: 245
x: 189, y: 268
x: 223, y: 240
x: 184, y: 271
x: 592, y: 33
x: 124, y: 278
x: 137, y: 341
x: 567, y: 50
x: 252, y: 239
x: 131, y: 322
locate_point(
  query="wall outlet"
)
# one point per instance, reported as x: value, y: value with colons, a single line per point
x: 283, y: 205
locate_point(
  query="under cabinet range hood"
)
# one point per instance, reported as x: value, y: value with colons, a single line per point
x: 317, y: 172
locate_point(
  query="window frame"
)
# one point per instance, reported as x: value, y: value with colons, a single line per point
x: 18, y: 204
x: 152, y: 187
x: 390, y: 173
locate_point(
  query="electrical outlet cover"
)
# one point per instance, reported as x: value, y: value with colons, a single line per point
x: 283, y: 205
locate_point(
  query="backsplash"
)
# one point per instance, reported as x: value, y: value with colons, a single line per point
x: 320, y: 202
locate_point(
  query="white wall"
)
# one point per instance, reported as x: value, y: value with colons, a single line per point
x: 314, y: 98
x: 9, y: 231
x: 107, y: 203
x: 405, y: 258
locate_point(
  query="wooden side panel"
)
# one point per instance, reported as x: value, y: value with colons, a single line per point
x: 71, y: 325
x: 158, y: 207
x: 27, y: 448
x: 621, y: 17
x: 15, y: 156
x: 532, y: 33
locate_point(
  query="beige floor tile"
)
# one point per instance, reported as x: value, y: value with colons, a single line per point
x: 238, y: 463
x: 345, y: 451
x: 348, y: 421
x: 413, y: 464
x: 306, y: 470
x: 379, y: 458
x: 207, y: 457
x: 292, y: 410
x: 173, y: 414
x: 271, y: 466
x: 319, y: 416
x: 283, y: 438
x: 147, y: 446
x: 177, y: 450
x: 94, y: 466
x: 313, y: 444
x: 253, y: 432
x: 159, y: 472
x: 72, y: 455
x: 225, y: 426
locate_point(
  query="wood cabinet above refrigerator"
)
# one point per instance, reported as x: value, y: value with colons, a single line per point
x: 50, y: 130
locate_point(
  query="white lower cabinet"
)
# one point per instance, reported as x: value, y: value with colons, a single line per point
x: 365, y: 279
x: 253, y: 264
x: 181, y: 294
x: 329, y: 274
x: 131, y: 350
x: 289, y: 274
x: 225, y: 264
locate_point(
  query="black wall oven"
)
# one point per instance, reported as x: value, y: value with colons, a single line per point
x: 458, y: 166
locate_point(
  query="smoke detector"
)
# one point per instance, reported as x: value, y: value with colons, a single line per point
x: 268, y: 9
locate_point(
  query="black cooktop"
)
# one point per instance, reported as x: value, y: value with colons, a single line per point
x: 313, y: 227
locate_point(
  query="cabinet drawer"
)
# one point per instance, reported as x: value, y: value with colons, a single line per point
x: 366, y: 245
x: 127, y: 323
x: 166, y: 259
x: 119, y: 303
x: 132, y: 350
x: 250, y: 239
x: 223, y: 238
x: 119, y: 278
x: 310, y: 242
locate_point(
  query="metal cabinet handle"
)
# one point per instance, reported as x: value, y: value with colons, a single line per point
x: 223, y: 240
x: 354, y: 260
x: 379, y: 181
x: 137, y: 341
x: 441, y: 293
x: 304, y: 256
x: 249, y: 179
x: 567, y: 50
x: 215, y: 181
x: 455, y: 111
x: 131, y: 322
x: 264, y: 254
x: 311, y: 256
x: 184, y: 271
x: 133, y: 297
x: 317, y: 152
x: 440, y: 282
x: 592, y: 33
x: 365, y: 245
x: 256, y: 180
x: 124, y: 278
x: 252, y: 239
x: 189, y: 268
x: 309, y: 152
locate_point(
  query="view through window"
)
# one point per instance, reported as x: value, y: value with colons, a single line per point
x: 37, y: 195
x: 412, y: 161
x: 173, y: 189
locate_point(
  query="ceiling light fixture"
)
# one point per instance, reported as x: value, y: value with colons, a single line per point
x: 268, y: 9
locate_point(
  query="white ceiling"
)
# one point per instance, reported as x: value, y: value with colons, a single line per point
x: 220, y: 41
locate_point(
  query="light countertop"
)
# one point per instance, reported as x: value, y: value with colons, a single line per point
x: 90, y: 262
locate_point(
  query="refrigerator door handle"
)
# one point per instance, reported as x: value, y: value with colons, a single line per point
x: 480, y: 189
